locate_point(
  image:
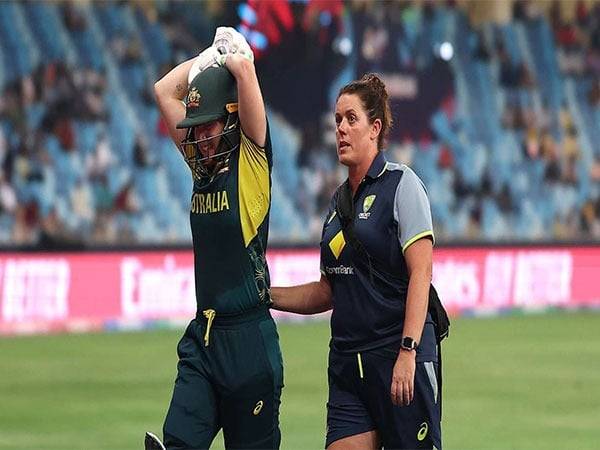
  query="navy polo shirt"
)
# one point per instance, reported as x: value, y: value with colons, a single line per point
x: 391, y: 212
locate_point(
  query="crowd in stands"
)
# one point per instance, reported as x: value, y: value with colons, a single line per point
x: 500, y: 120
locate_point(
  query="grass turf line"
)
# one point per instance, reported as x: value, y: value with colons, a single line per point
x: 515, y: 382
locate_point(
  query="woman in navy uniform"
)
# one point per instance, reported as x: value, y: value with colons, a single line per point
x: 383, y: 388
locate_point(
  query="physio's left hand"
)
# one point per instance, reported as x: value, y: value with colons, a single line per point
x: 403, y: 378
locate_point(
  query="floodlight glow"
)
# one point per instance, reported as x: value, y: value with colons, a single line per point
x: 345, y: 46
x: 446, y: 51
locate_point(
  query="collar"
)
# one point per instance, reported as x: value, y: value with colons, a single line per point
x: 377, y: 166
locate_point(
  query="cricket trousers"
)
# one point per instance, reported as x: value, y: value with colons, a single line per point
x: 229, y: 376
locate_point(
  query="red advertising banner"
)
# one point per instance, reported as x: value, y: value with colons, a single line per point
x: 88, y: 291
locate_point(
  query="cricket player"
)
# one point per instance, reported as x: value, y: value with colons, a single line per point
x: 230, y: 370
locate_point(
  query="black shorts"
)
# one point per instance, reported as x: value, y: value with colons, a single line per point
x: 359, y: 401
x: 234, y: 383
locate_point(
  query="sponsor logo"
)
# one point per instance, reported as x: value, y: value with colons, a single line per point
x: 337, y: 244
x: 35, y: 289
x: 258, y: 408
x: 340, y: 270
x: 422, y: 433
x: 156, y: 290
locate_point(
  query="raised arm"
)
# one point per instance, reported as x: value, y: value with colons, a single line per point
x: 251, y: 106
x: 170, y: 91
x: 310, y: 298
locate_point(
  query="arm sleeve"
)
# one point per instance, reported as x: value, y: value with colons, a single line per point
x: 411, y: 210
x: 255, y: 151
x: 254, y: 185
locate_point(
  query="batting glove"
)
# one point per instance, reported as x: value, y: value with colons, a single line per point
x: 208, y: 58
x: 229, y: 40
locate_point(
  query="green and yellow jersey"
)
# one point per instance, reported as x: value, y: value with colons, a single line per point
x: 229, y: 216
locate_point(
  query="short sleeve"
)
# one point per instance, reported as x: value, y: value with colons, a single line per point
x: 255, y: 151
x: 412, y: 211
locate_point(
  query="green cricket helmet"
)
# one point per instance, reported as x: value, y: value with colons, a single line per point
x: 212, y: 95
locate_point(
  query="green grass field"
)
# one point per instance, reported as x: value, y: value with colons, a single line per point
x: 515, y: 382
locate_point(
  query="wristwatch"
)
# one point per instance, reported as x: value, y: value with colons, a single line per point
x: 408, y: 343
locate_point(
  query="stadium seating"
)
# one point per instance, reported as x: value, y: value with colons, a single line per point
x: 504, y: 194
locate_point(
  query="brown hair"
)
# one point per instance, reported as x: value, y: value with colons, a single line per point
x: 373, y: 94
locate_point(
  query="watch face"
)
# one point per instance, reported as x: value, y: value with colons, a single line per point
x: 408, y: 343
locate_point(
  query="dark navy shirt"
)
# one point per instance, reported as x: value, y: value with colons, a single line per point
x: 391, y: 212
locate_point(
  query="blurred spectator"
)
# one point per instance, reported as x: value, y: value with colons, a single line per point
x: 312, y: 148
x: 92, y: 89
x: 127, y: 200
x: 26, y: 220
x: 532, y: 143
x: 590, y: 218
x: 82, y: 203
x: 8, y: 198
x: 519, y: 9
x: 504, y: 200
x: 595, y: 170
x: 445, y: 159
x: 594, y: 93
x: 568, y: 37
x: 54, y: 235
x: 100, y: 160
x: 569, y: 175
x: 482, y: 52
x: 63, y: 130
x: 103, y: 196
x: 525, y: 76
x: 141, y: 155
x: 582, y: 13
x: 73, y: 18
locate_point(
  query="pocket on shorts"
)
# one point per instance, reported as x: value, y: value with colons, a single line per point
x: 185, y: 346
x: 270, y: 337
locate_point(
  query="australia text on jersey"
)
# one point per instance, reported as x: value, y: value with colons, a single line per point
x: 210, y: 202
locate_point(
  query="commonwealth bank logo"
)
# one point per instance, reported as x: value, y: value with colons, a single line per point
x: 337, y: 244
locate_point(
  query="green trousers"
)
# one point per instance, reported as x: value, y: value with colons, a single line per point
x: 229, y: 376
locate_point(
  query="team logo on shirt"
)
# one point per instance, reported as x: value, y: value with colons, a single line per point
x: 367, y: 203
